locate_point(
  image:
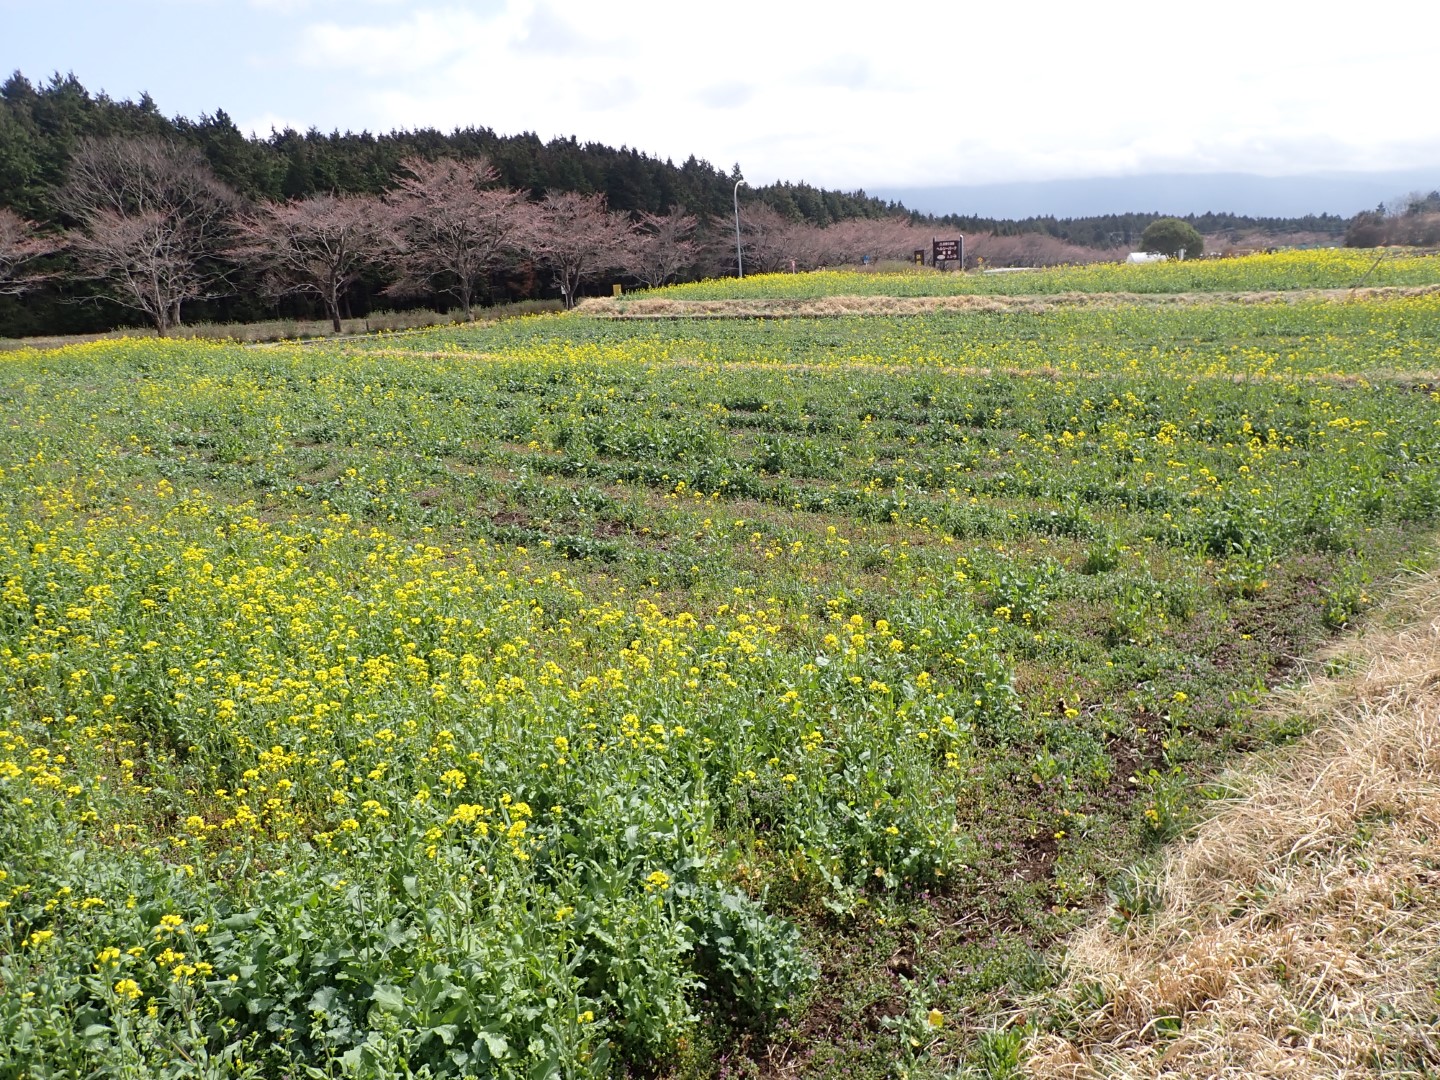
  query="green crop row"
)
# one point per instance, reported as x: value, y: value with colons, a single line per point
x: 564, y: 697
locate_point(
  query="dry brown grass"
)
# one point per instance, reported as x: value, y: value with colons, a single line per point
x: 1298, y: 932
x: 658, y: 307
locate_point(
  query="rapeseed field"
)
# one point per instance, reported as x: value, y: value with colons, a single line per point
x: 1333, y: 268
x: 568, y: 697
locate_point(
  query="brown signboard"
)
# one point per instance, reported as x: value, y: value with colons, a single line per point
x: 947, y: 250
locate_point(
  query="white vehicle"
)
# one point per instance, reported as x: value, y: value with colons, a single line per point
x: 1145, y: 257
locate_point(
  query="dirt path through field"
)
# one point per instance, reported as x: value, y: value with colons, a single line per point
x: 1297, y: 933
x: 642, y: 307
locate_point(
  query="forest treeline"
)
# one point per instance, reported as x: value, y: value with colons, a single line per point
x: 1123, y: 230
x: 51, y: 133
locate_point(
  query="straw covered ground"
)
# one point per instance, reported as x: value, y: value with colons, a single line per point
x: 645, y: 306
x: 1297, y: 933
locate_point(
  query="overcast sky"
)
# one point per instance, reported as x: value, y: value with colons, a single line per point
x: 872, y: 95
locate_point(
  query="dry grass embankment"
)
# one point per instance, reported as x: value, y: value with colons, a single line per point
x: 1297, y: 933
x: 658, y: 307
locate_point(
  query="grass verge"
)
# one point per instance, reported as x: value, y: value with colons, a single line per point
x: 296, y: 329
x: 1297, y: 933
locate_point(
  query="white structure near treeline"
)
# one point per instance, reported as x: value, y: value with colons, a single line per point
x: 1145, y: 257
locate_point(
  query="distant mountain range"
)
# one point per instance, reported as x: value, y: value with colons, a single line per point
x: 1344, y: 193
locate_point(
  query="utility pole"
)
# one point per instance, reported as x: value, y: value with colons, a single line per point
x: 739, y: 259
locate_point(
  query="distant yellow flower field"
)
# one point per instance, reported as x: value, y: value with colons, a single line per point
x: 1331, y: 268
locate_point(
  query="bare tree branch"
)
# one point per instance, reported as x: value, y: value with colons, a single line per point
x: 152, y: 222
x: 320, y: 245
x: 663, y: 248
x: 578, y: 238
x: 771, y: 239
x: 19, y: 246
x: 456, y: 227
x: 774, y: 242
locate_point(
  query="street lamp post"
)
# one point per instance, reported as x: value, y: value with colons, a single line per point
x: 739, y: 259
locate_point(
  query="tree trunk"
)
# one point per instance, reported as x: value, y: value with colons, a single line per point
x: 332, y: 306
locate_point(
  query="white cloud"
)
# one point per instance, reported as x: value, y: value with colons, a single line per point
x: 426, y: 41
x: 920, y: 92
x: 725, y: 95
x: 547, y: 31
x: 264, y: 123
x: 299, y: 7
